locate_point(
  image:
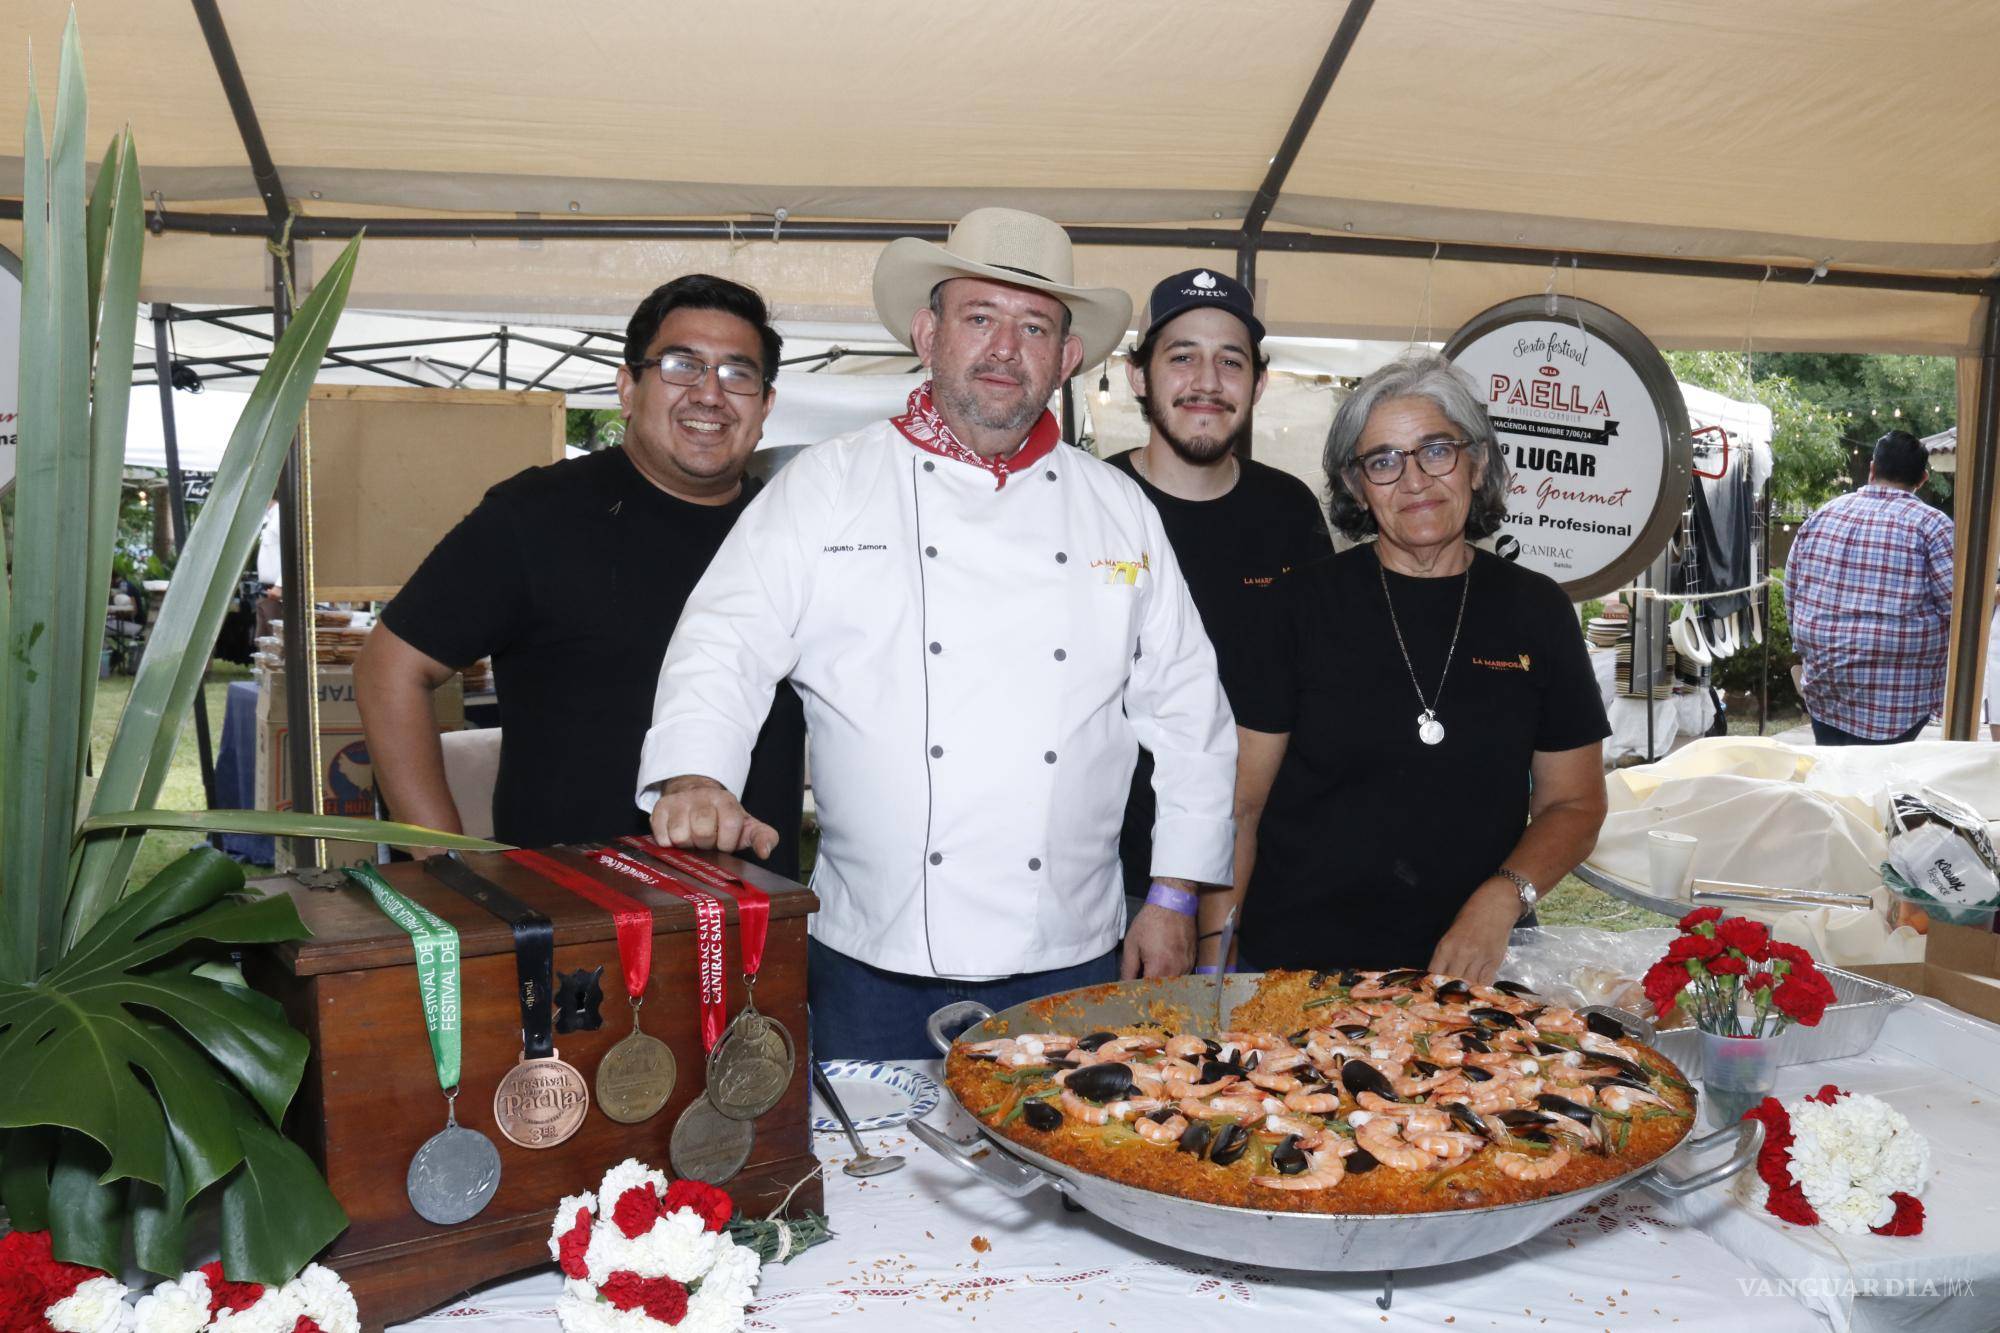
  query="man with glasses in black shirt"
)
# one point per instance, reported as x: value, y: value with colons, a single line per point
x: 571, y: 577
x: 1235, y: 525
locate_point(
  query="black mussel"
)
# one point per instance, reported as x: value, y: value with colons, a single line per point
x: 1317, y: 981
x: 1163, y: 1115
x: 982, y: 1055
x: 1493, y: 1018
x: 1469, y: 1040
x: 1618, y: 1063
x: 1309, y: 1074
x: 1211, y: 1046
x: 1195, y: 1137
x: 1530, y: 1015
x: 1301, y: 1037
x: 1360, y: 1161
x: 1213, y: 1071
x: 1424, y: 1068
x: 1604, y: 1025
x: 1467, y: 1119
x: 1064, y: 1062
x: 1537, y: 1134
x: 1454, y: 992
x: 1475, y: 1073
x: 1134, y: 1090
x: 1101, y: 1083
x: 1563, y: 1106
x: 1288, y: 1157
x: 1251, y: 1061
x: 1349, y: 977
x: 1621, y: 1081
x: 1354, y: 1030
x: 1515, y: 989
x: 1549, y: 1048
x: 1522, y: 1118
x: 1042, y: 1115
x: 1400, y: 976
x: 1358, y: 1076
x: 1230, y: 1144
x: 1095, y: 1040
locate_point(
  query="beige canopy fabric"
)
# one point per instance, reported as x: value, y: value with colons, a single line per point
x: 1854, y: 133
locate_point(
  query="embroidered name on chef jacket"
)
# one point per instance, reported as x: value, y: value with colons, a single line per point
x: 853, y: 546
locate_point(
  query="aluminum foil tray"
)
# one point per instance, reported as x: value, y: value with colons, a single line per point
x: 1852, y: 1022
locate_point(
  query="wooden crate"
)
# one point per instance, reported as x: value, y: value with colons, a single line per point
x: 370, y: 1096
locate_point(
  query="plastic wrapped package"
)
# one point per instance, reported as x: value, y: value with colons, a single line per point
x: 1579, y: 965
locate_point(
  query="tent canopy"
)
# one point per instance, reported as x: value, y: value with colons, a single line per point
x: 1789, y: 132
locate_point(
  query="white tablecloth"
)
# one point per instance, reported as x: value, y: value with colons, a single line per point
x: 1675, y: 718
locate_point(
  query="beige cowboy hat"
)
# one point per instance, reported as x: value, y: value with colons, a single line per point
x: 1003, y: 245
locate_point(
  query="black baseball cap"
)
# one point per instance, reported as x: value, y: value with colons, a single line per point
x: 1201, y: 287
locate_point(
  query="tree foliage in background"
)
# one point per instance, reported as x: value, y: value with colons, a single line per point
x: 595, y: 427
x: 1809, y: 464
x: 1870, y: 395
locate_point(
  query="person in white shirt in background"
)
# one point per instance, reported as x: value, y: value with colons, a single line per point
x: 983, y: 626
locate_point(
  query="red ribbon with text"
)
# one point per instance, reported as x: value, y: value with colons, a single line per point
x: 708, y: 920
x: 753, y: 905
x: 633, y: 919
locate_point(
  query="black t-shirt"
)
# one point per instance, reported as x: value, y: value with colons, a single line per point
x: 572, y: 577
x: 1231, y: 550
x: 1371, y: 840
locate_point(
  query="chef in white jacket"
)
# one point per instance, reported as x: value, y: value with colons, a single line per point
x: 983, y: 625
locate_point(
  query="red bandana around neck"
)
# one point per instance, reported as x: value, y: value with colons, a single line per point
x: 922, y: 426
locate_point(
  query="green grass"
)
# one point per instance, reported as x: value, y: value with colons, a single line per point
x: 182, y: 790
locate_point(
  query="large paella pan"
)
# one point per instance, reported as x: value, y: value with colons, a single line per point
x: 1413, y: 1236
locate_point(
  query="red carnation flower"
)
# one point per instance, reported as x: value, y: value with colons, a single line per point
x: 662, y: 1298
x: 636, y: 1211
x: 1663, y: 984
x: 712, y: 1205
x: 1789, y: 1205
x: 1759, y: 981
x: 1747, y: 937
x: 1773, y: 1164
x: 36, y: 1279
x: 1727, y: 965
x: 1700, y: 916
x: 1791, y: 954
x: 307, y: 1324
x: 1803, y: 997
x: 570, y: 1248
x: 1827, y: 1095
x: 226, y: 1295
x: 1693, y: 948
x: 1909, y: 1218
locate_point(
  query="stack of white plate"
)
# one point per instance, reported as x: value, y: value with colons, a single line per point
x: 1664, y: 685
x: 1604, y: 632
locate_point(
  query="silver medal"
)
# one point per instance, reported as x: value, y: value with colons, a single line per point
x: 454, y: 1175
x: 1429, y: 730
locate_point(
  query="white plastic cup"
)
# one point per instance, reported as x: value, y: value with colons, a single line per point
x: 1670, y: 860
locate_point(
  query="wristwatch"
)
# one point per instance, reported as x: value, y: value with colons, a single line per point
x: 1522, y: 885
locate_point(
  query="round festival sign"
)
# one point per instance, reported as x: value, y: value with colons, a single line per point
x: 1594, y: 432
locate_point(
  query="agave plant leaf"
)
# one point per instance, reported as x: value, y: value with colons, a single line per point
x: 25, y: 1158
x: 85, y: 1217
x: 178, y: 647
x: 277, y: 1212
x: 75, y: 1042
x: 56, y: 621
x: 287, y: 824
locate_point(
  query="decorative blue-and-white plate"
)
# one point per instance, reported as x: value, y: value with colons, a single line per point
x: 876, y: 1095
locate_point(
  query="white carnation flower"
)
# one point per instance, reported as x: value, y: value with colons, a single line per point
x: 566, y: 1218
x: 96, y: 1306
x: 717, y: 1307
x: 322, y: 1296
x: 628, y: 1174
x: 580, y: 1311
x: 174, y: 1307
x: 677, y: 1246
x: 1849, y: 1157
x: 276, y: 1312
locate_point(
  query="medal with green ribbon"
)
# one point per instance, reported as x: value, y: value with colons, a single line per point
x: 454, y: 1175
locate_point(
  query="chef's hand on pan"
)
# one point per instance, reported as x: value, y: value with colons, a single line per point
x: 694, y: 811
x: 1159, y: 944
x: 1476, y: 944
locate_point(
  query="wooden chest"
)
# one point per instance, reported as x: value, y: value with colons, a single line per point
x: 370, y: 1097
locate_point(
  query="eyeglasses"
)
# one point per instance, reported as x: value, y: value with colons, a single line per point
x: 1384, y: 467
x: 687, y: 372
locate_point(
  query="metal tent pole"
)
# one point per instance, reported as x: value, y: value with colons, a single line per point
x: 177, y: 514
x: 1976, y: 503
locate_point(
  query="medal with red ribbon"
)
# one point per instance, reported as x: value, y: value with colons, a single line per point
x: 752, y: 1063
x: 708, y: 932
x: 636, y: 1076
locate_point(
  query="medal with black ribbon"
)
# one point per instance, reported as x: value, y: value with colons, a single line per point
x: 636, y: 1076
x: 752, y: 1063
x: 542, y: 1100
x: 705, y: 1144
x: 454, y: 1175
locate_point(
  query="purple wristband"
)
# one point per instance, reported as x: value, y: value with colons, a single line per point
x: 1208, y: 970
x: 1171, y: 898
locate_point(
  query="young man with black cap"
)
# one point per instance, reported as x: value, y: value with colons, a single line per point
x: 1235, y: 525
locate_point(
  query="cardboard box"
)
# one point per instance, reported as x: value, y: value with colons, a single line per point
x: 1961, y: 967
x: 347, y: 777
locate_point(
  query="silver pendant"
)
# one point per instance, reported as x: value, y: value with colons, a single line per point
x: 1429, y: 730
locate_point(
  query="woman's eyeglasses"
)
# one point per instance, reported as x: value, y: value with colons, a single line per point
x: 1384, y: 467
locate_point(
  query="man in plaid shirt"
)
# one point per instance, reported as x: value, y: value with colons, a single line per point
x: 1868, y: 591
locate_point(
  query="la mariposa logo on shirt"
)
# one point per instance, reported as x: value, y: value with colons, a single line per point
x: 1521, y: 662
x: 1125, y: 572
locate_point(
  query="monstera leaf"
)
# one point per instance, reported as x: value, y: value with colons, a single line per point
x: 164, y: 1078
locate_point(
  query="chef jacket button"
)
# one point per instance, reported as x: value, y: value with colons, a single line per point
x: 937, y: 647
x: 931, y: 551
x: 929, y: 466
x: 1061, y: 656
x: 937, y: 858
x: 1034, y: 863
x: 1049, y: 757
x: 937, y: 752
x: 1062, y: 557
x: 1050, y: 474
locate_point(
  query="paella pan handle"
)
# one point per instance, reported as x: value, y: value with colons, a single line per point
x: 1632, y: 1023
x: 946, y: 1023
x: 1749, y: 1136
x: 978, y: 1157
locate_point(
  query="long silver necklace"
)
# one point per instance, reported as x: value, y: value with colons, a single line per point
x: 1429, y: 730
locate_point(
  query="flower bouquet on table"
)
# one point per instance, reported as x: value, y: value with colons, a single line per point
x: 1741, y: 988
x: 641, y: 1252
x: 41, y: 1294
x: 1840, y: 1160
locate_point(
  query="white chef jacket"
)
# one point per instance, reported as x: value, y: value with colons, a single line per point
x: 978, y: 667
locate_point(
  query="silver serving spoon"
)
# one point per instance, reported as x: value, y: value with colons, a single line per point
x: 865, y: 1163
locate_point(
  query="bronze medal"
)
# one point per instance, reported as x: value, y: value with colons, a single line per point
x: 707, y: 1145
x: 539, y: 1103
x: 750, y: 1068
x: 635, y: 1077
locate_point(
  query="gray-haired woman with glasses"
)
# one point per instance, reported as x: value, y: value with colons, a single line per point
x: 1425, y: 756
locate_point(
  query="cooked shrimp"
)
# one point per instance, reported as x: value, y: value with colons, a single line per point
x: 1274, y: 1082
x: 1092, y: 1114
x: 1312, y: 1101
x: 1561, y: 1020
x: 1618, y: 1097
x: 1447, y: 1145
x: 1324, y: 1170
x: 1166, y: 1131
x: 1031, y: 1048
x: 1381, y: 1137
x: 1310, y: 1136
x: 1124, y: 1048
x: 1520, y: 1166
x: 1187, y: 1046
x: 1237, y: 1107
